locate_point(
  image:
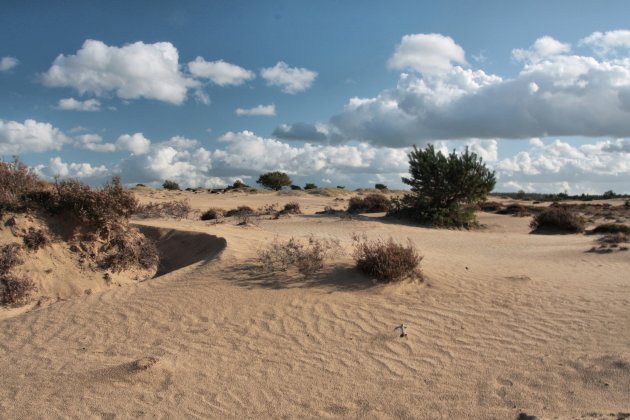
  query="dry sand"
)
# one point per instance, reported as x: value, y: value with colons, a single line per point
x: 505, y: 323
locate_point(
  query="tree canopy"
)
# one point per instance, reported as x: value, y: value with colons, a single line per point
x: 274, y: 180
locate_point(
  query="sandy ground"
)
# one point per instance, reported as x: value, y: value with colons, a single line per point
x: 505, y: 323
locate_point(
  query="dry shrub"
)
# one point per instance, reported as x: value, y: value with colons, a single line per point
x: 612, y: 228
x: 244, y: 215
x: 128, y: 249
x: 292, y: 208
x: 10, y: 257
x: 14, y: 290
x: 17, y: 182
x: 515, y: 210
x: 308, y: 257
x: 614, y: 238
x: 490, y: 206
x: 35, y: 239
x: 331, y: 211
x: 213, y: 213
x: 387, y: 261
x: 557, y: 220
x: 267, y: 210
x: 239, y: 210
x: 177, y: 209
x: 371, y: 203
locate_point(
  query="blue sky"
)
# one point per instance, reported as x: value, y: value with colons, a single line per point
x: 333, y: 92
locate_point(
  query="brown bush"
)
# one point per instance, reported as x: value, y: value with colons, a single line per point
x: 129, y: 249
x: 515, y: 210
x: 557, y: 219
x: 178, y: 209
x: 14, y: 290
x: 35, y: 239
x: 10, y: 257
x: 371, y: 203
x: 490, y: 206
x: 292, y: 208
x: 212, y: 214
x: 239, y: 210
x: 308, y: 257
x: 17, y: 182
x: 387, y: 261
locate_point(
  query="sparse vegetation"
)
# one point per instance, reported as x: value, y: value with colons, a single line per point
x: 371, y: 203
x: 611, y: 228
x: 380, y: 187
x: 129, y: 249
x: 308, y: 257
x: 213, y: 214
x: 171, y: 185
x: 177, y: 209
x: 490, y: 206
x: 291, y: 208
x: 442, y: 185
x: 13, y: 290
x: 386, y: 261
x: 35, y: 239
x: 557, y: 220
x: 274, y: 180
x: 310, y: 186
x: 515, y: 210
x: 296, y: 187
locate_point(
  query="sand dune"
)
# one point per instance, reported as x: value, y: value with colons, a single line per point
x: 505, y: 323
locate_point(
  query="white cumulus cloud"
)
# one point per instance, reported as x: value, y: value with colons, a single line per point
x: 132, y: 71
x: 607, y: 43
x: 29, y: 136
x: 260, y: 110
x: 7, y: 63
x: 220, y: 72
x: 134, y: 143
x: 542, y: 48
x: 291, y: 79
x: 71, y: 104
x: 57, y: 167
x: 427, y: 53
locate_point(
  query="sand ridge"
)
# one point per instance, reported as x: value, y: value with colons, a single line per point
x: 505, y: 323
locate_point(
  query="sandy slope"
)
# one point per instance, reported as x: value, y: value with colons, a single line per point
x: 505, y: 323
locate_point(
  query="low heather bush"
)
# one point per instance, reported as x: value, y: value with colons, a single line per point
x: 371, y: 203
x: 386, y: 261
x: 490, y: 206
x: 557, y: 219
x: 515, y: 210
x: 17, y: 183
x: 10, y: 257
x: 612, y: 228
x: 212, y: 214
x: 14, y: 290
x: 128, y: 249
x: 308, y: 257
x: 35, y: 239
x: 178, y: 209
x: 291, y: 208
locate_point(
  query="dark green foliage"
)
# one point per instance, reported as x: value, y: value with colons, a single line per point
x: 612, y: 228
x: 441, y: 185
x: 341, y: 187
x: 386, y: 261
x: 557, y: 220
x: 310, y: 186
x: 371, y: 203
x: 238, y: 184
x: 381, y: 187
x: 171, y: 185
x: 296, y: 187
x: 274, y: 180
x: 609, y: 194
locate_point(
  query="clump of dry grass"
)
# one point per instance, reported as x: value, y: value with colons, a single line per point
x: 177, y: 209
x: 371, y: 203
x: 612, y: 228
x: 35, y: 239
x: 13, y: 290
x: 291, y: 208
x: 213, y: 213
x: 127, y: 249
x: 307, y: 256
x: 386, y: 261
x: 557, y: 220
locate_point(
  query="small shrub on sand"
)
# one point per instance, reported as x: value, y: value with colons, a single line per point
x: 371, y: 203
x: 171, y: 185
x: 515, y: 210
x: 308, y: 257
x: 212, y: 214
x: 14, y: 290
x: 490, y: 206
x: 557, y: 220
x: 178, y: 209
x: 386, y: 261
x: 35, y: 239
x: 129, y: 249
x: 612, y: 228
x: 239, y: 210
x: 10, y: 257
x: 291, y: 208
x: 615, y: 238
x: 17, y: 182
